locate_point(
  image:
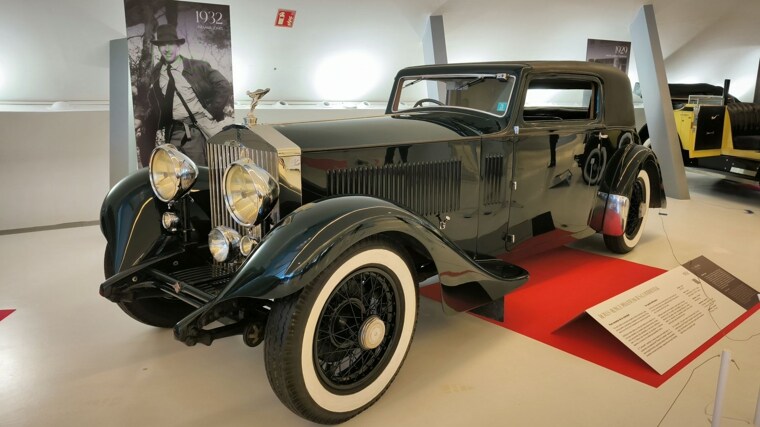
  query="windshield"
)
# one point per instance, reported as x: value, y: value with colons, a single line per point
x: 487, y: 93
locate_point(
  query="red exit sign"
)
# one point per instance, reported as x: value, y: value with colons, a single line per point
x: 285, y: 18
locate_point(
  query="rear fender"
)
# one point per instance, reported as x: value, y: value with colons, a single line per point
x: 619, y: 176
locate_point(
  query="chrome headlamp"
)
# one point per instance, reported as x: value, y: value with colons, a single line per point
x: 172, y: 173
x: 170, y: 221
x: 247, y: 245
x: 250, y: 193
x: 222, y: 241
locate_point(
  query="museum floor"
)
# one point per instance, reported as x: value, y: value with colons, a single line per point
x: 68, y: 357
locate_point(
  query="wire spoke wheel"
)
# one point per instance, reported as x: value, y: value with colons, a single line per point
x: 364, y: 303
x: 333, y: 348
x: 635, y: 215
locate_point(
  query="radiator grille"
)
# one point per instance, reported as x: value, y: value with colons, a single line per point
x: 219, y: 157
x: 208, y: 278
x: 426, y: 188
x: 493, y: 180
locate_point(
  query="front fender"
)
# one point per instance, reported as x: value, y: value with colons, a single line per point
x: 306, y: 241
x: 313, y: 236
x: 130, y: 219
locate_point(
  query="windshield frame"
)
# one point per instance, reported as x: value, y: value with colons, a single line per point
x: 471, y: 78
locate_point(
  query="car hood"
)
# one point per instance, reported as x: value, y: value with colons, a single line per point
x: 393, y: 129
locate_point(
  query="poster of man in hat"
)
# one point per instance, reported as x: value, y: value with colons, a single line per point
x: 181, y: 72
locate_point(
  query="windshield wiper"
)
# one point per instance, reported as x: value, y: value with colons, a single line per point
x: 412, y: 82
x: 471, y: 83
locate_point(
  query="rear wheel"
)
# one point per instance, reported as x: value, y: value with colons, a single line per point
x: 638, y: 212
x: 333, y: 348
x: 161, y: 312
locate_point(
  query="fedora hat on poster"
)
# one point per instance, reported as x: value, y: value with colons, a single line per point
x: 166, y: 34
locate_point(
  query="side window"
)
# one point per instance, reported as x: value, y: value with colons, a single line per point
x: 560, y: 99
x: 490, y: 95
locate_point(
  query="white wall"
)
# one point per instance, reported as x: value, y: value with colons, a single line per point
x: 53, y: 167
x: 58, y: 49
x: 702, y: 40
x: 728, y: 49
x: 54, y: 164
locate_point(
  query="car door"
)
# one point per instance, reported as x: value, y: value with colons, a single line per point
x: 496, y: 160
x: 557, y: 161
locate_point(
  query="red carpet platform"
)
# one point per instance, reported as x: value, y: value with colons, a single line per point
x: 5, y: 313
x: 551, y: 308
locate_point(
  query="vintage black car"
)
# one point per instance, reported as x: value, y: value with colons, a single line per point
x: 314, y: 237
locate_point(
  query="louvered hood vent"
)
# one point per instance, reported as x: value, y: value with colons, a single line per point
x: 426, y: 188
x: 493, y: 180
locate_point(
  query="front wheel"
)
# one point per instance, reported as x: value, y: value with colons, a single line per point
x: 333, y: 348
x: 637, y: 216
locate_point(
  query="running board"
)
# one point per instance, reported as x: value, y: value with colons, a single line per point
x: 498, y: 279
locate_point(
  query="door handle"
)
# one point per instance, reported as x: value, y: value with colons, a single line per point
x: 603, y: 135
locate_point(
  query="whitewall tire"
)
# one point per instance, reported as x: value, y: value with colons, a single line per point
x: 333, y: 348
x: 638, y: 212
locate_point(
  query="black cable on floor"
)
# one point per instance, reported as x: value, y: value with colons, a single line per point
x: 684, y: 388
x: 672, y: 251
x: 701, y: 286
x: 687, y: 383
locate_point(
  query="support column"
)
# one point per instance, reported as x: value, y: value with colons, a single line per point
x: 434, y: 51
x: 658, y: 108
x: 756, y: 99
x: 122, y: 152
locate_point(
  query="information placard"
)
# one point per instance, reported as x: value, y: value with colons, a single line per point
x: 664, y: 319
x: 612, y: 52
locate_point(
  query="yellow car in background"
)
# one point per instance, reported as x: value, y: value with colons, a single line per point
x: 716, y: 131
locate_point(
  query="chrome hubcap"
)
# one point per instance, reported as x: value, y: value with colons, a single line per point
x: 371, y: 333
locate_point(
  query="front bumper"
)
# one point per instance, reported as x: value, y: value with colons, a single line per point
x: 169, y: 274
x: 198, y: 286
